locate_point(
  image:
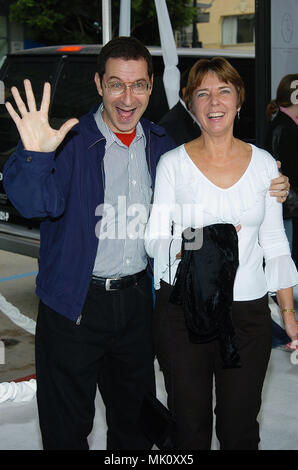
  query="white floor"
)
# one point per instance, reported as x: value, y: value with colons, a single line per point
x: 278, y: 419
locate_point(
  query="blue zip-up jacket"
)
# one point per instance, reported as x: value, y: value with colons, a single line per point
x: 64, y: 188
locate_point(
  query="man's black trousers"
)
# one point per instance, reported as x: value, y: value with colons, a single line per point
x: 111, y: 348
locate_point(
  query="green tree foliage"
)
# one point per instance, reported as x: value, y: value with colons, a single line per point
x: 74, y: 21
x: 58, y: 21
x: 144, y: 18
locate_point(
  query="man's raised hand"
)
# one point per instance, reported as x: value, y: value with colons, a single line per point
x: 33, y: 125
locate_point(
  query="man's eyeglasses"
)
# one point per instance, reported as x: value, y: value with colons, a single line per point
x: 141, y: 87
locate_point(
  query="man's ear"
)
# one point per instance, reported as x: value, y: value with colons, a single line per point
x: 98, y: 84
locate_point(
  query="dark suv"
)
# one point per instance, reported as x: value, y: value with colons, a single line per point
x: 70, y: 70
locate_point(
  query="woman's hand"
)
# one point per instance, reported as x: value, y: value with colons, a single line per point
x: 291, y: 328
x: 286, y: 305
x: 33, y: 125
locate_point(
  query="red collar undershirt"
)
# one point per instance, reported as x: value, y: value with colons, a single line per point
x: 126, y: 139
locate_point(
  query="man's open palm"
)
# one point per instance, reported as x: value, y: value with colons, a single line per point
x: 33, y: 125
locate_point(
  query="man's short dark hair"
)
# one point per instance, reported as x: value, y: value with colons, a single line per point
x: 123, y: 47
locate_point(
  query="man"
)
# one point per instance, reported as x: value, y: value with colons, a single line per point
x: 180, y: 124
x: 94, y: 320
x: 91, y: 328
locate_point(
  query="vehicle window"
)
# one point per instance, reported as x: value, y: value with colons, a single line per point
x: 76, y: 92
x: 38, y: 70
x: 158, y: 104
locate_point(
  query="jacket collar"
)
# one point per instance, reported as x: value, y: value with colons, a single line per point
x: 285, y: 111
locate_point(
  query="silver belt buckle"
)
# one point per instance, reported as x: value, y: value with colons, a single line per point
x: 108, y: 284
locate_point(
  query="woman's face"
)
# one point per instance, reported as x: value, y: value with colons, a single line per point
x: 214, y: 104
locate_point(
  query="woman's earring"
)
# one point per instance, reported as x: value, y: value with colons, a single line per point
x: 238, y: 114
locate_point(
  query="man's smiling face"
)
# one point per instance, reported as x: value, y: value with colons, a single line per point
x: 122, y: 112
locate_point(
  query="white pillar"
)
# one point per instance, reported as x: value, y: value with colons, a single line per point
x: 106, y: 21
x: 2, y: 346
x: 284, y: 41
x: 125, y: 15
x: 2, y: 101
x: 171, y: 76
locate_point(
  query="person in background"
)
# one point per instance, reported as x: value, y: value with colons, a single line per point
x: 225, y: 181
x: 94, y: 320
x: 282, y: 142
x: 181, y: 125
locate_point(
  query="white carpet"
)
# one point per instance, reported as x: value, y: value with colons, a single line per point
x: 19, y: 428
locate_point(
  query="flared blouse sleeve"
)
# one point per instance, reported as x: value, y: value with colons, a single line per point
x: 280, y: 269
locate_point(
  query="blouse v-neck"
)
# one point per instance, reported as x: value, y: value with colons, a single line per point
x: 215, y: 185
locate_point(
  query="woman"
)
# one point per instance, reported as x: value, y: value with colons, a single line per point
x: 218, y: 179
x: 282, y: 142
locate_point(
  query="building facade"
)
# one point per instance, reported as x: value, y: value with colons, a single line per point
x: 230, y: 25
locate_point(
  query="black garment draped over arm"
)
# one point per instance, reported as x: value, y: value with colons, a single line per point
x: 204, y: 288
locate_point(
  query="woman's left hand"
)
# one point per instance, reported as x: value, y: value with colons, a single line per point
x: 291, y: 327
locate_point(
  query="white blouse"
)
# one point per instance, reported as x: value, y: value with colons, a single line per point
x: 185, y: 197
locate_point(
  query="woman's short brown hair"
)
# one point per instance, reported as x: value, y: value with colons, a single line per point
x: 224, y: 71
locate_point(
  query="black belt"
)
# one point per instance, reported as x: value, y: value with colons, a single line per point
x: 116, y: 283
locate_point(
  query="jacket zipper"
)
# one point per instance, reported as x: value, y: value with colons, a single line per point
x: 150, y: 171
x: 79, y: 319
x: 149, y: 158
